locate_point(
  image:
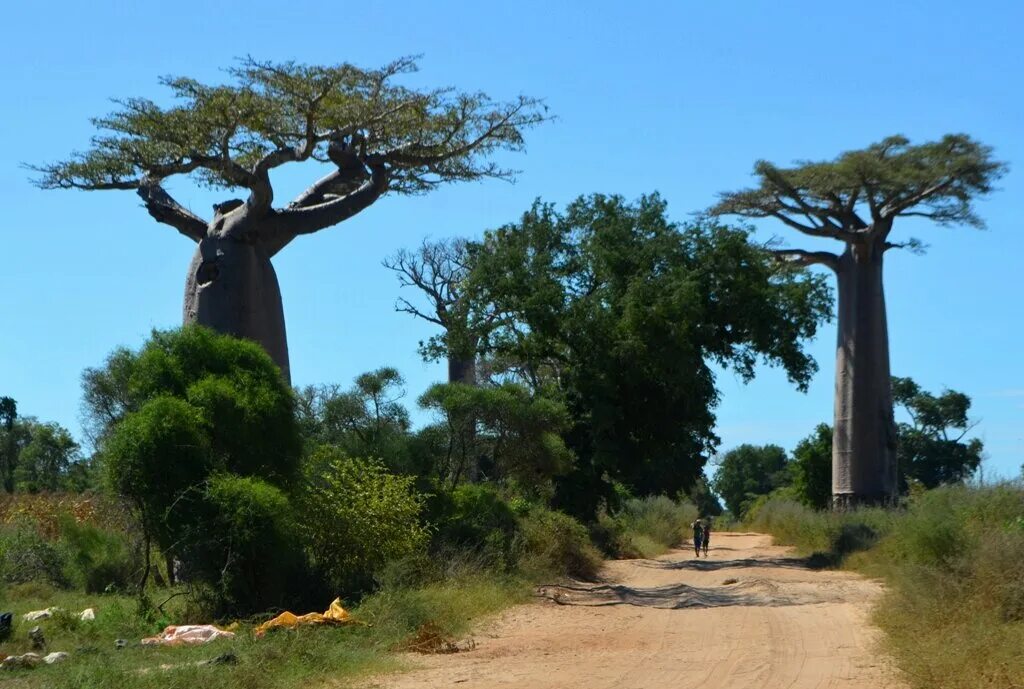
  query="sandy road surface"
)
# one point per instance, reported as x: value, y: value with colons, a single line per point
x: 674, y: 622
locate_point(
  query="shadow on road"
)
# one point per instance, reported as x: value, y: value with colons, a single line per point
x: 697, y: 565
x: 756, y: 592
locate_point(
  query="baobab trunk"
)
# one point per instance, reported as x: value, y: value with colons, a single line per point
x: 231, y: 287
x: 864, y: 440
x: 462, y: 369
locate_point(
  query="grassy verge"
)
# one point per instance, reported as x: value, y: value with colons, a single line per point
x: 278, y: 660
x: 953, y: 614
x: 644, y: 527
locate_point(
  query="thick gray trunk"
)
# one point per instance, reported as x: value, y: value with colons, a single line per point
x: 463, y: 370
x: 232, y: 288
x: 864, y: 441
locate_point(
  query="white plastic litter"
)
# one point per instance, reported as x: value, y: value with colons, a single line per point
x: 56, y: 657
x: 39, y: 614
x: 88, y: 615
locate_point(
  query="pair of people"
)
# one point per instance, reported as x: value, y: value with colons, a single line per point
x: 701, y: 536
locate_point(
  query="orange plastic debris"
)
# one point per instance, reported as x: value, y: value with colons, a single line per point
x: 333, y: 615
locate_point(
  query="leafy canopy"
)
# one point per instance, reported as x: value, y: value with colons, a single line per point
x: 863, y: 191
x: 621, y: 312
x: 747, y: 472
x: 932, y: 447
x: 229, y: 135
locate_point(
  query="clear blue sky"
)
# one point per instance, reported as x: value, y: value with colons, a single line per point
x: 679, y: 97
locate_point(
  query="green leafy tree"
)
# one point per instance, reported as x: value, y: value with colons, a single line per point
x: 199, y: 408
x: 8, y: 446
x: 932, y: 448
x: 377, y: 135
x: 505, y: 430
x: 356, y: 517
x: 748, y: 472
x: 45, y: 461
x: 704, y: 499
x: 855, y: 200
x: 622, y: 313
x: 812, y: 468
x: 367, y: 420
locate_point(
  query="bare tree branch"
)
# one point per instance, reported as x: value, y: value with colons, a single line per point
x: 165, y: 209
x: 807, y: 258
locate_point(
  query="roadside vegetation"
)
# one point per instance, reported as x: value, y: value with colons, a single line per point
x: 953, y: 614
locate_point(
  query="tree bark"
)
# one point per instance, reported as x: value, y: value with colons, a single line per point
x: 462, y: 369
x: 864, y: 440
x: 232, y: 288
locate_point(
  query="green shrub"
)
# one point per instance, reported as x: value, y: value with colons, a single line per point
x: 98, y: 560
x: 251, y: 551
x: 553, y: 543
x: 356, y: 517
x: 25, y: 556
x: 476, y: 518
x: 644, y: 527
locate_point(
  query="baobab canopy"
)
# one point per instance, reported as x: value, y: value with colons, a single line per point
x: 377, y: 135
x: 855, y: 199
x: 861, y: 192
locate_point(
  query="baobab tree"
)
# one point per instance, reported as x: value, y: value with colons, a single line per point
x: 378, y: 136
x: 856, y: 199
x: 440, y: 270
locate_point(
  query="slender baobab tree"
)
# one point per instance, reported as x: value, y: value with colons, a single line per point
x: 440, y: 270
x: 855, y: 199
x: 378, y: 137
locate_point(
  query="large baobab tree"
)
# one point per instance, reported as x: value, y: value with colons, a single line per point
x: 440, y: 270
x: 377, y: 135
x: 856, y: 199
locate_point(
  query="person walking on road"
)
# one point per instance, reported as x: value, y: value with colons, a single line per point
x: 706, y: 536
x: 698, y: 536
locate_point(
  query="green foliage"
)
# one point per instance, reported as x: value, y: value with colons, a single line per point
x: 829, y: 536
x: 932, y: 449
x: 97, y: 559
x: 623, y: 312
x: 157, y: 458
x: 951, y: 562
x: 512, y: 433
x: 201, y: 437
x: 748, y: 471
x: 25, y: 556
x: 645, y: 527
x: 938, y: 180
x: 366, y: 421
x: 248, y: 548
x: 812, y: 468
x: 272, y: 113
x: 476, y: 518
x: 356, y: 517
x: 554, y: 544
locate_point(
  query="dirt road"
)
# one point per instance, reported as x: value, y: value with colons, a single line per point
x: 750, y: 615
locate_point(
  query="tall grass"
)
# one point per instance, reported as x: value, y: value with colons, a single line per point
x: 645, y: 527
x: 953, y: 614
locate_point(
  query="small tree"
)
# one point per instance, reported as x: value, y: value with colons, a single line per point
x: 856, y: 199
x: 45, y: 461
x: 367, y: 420
x: 932, y: 448
x: 379, y: 136
x: 747, y: 472
x: 8, y: 415
x: 201, y: 410
x: 812, y: 468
